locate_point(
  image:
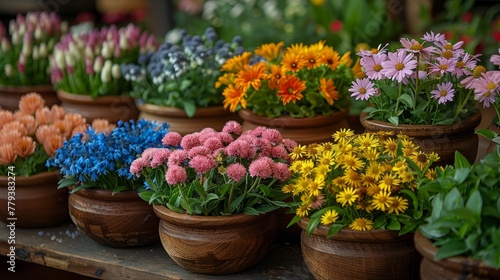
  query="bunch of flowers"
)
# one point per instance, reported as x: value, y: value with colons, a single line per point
x: 101, y: 159
x: 217, y: 173
x: 361, y: 181
x: 424, y: 82
x: 299, y: 81
x: 25, y: 49
x: 182, y: 74
x: 31, y: 135
x: 89, y: 62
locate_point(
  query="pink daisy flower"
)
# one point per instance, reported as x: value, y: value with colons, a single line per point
x: 444, y: 92
x: 362, y: 89
x: 199, y: 150
x: 176, y: 175
x: 232, y: 127
x: 236, y: 171
x: 495, y: 59
x: 464, y: 66
x: 442, y: 66
x: 486, y: 88
x: 261, y: 168
x: 373, y: 66
x: 225, y: 137
x: 415, y: 47
x: 279, y: 152
x: 202, y: 163
x: 272, y: 135
x: 239, y: 148
x: 171, y: 139
x: 213, y: 143
x: 430, y: 37
x: 289, y: 144
x: 206, y: 133
x: 399, y: 66
x: 281, y: 171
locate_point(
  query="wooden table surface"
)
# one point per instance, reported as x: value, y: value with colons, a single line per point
x: 65, y: 248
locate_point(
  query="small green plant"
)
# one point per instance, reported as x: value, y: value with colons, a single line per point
x: 465, y: 212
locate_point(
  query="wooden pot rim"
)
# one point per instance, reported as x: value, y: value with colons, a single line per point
x: 459, y: 263
x: 177, y: 112
x: 107, y: 195
x: 469, y: 123
x: 197, y: 221
x: 86, y: 99
x: 27, y: 89
x: 287, y: 121
x: 33, y: 180
x: 346, y: 234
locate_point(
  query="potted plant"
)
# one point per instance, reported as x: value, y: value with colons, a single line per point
x: 460, y: 237
x: 422, y: 90
x: 24, y: 57
x: 357, y: 200
x: 175, y: 84
x: 104, y: 201
x: 301, y: 90
x: 28, y: 138
x: 85, y: 70
x: 215, y: 193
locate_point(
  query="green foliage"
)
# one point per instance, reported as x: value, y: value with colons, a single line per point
x: 465, y: 217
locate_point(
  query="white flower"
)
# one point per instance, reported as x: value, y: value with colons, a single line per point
x: 106, y: 71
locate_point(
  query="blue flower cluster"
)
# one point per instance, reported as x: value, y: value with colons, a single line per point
x: 184, y: 72
x: 103, y: 160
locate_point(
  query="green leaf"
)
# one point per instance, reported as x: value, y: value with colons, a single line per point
x: 313, y: 224
x: 475, y: 202
x: 453, y: 200
x: 407, y: 100
x: 251, y: 211
x: 66, y: 182
x: 235, y: 203
x: 453, y: 248
x: 392, y: 92
x: 394, y: 225
x: 394, y: 120
x: 185, y: 84
x: 120, y: 189
x: 461, y: 161
x: 189, y: 108
x: 334, y: 229
x: 488, y: 134
x: 146, y: 195
x: 461, y: 174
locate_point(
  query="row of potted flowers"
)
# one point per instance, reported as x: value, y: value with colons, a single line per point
x: 368, y: 182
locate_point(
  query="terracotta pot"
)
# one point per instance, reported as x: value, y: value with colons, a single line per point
x: 38, y: 202
x: 303, y: 130
x: 374, y: 254
x: 441, y: 139
x: 10, y: 95
x: 112, y: 108
x: 216, y: 244
x: 213, y: 117
x: 451, y: 268
x: 119, y: 220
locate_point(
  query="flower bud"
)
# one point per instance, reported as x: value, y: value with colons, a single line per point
x: 115, y: 71
x: 42, y: 50
x: 106, y: 72
x: 8, y: 70
x: 5, y: 45
x: 98, y: 64
x: 59, y: 58
x: 35, y: 54
x: 89, y: 53
x: 16, y: 39
x: 124, y: 45
x: 105, y: 51
x: 70, y: 60
x: 64, y: 27
x: 38, y: 33
x: 26, y: 50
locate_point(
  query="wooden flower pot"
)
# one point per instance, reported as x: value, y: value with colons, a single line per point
x: 216, y: 244
x: 10, y: 95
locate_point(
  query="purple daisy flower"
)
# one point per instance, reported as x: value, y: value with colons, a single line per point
x: 399, y: 66
x: 444, y: 92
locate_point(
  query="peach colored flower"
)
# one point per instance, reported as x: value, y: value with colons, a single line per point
x: 31, y: 102
x: 7, y: 154
x: 75, y: 119
x: 52, y: 143
x: 79, y: 129
x: 43, y: 116
x: 102, y: 125
x: 25, y: 146
x: 17, y: 126
x: 29, y: 123
x: 9, y: 136
x: 44, y: 131
x: 57, y: 112
x: 5, y: 117
x: 65, y: 128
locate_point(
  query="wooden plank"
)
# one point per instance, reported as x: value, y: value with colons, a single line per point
x: 65, y: 248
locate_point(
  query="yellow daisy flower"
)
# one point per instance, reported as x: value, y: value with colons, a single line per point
x: 298, y: 152
x: 352, y: 162
x: 397, y: 204
x: 342, y: 134
x: 420, y: 159
x: 391, y: 147
x: 388, y: 182
x: 329, y: 217
x: 381, y: 200
x: 302, y: 210
x: 375, y: 170
x: 317, y: 185
x: 361, y: 224
x: 367, y: 140
x: 347, y: 196
x: 352, y: 178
